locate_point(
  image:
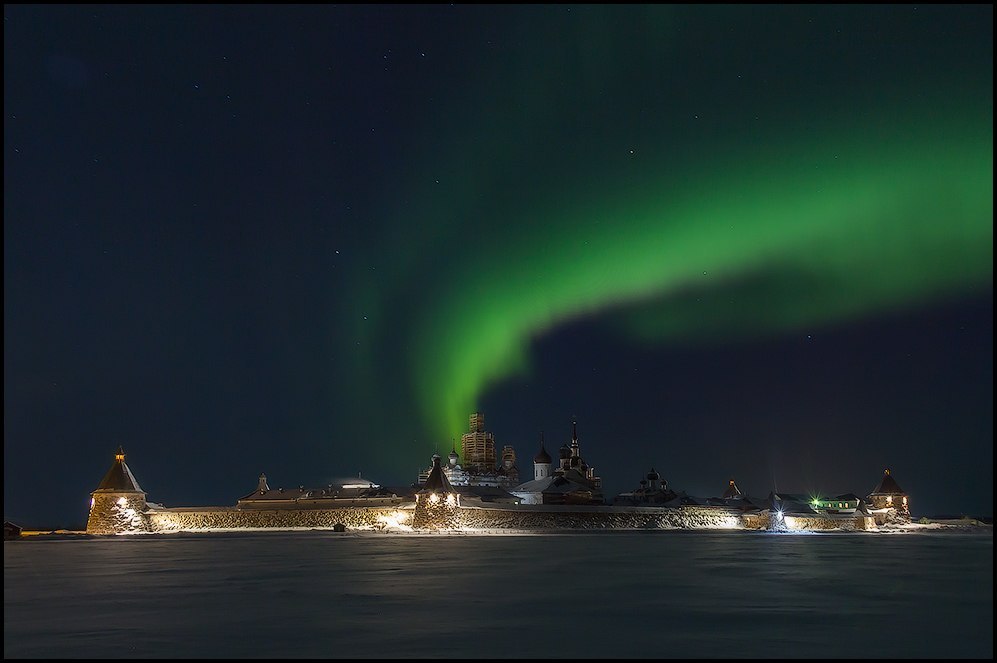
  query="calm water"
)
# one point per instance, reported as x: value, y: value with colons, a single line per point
x: 605, y: 595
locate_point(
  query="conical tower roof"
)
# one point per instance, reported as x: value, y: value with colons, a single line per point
x: 732, y: 492
x: 437, y: 481
x: 888, y: 486
x: 119, y: 479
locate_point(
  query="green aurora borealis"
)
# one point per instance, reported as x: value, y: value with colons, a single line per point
x: 769, y: 250
x: 732, y: 241
x: 855, y: 197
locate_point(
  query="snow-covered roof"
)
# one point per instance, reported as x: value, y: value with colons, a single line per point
x: 275, y: 494
x: 792, y: 503
x: 552, y: 484
x: 534, y: 486
x: 353, y: 482
x: 313, y: 495
x: 487, y: 493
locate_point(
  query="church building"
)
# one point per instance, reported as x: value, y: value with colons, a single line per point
x: 573, y: 481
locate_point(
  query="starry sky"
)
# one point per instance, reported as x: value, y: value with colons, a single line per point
x: 750, y: 242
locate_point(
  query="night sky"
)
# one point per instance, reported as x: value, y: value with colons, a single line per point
x: 749, y: 242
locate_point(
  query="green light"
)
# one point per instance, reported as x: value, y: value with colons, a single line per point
x: 888, y: 225
x: 829, y: 210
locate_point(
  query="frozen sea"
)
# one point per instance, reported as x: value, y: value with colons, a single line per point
x: 618, y: 594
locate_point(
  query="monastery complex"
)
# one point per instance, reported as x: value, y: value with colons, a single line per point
x: 485, y: 492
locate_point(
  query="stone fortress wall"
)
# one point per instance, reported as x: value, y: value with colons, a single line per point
x: 130, y: 515
x: 353, y: 517
x: 547, y: 518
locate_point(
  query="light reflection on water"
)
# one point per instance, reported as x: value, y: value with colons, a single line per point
x: 603, y: 594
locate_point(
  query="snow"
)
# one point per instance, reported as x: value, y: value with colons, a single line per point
x: 580, y: 594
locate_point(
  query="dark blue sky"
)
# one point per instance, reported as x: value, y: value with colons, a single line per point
x: 205, y: 206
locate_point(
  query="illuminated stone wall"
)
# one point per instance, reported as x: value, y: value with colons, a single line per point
x: 599, y: 518
x: 118, y: 513
x: 757, y: 520
x: 439, y: 513
x: 767, y: 520
x: 891, y: 516
x: 367, y: 518
x: 122, y: 514
x: 817, y: 522
x: 900, y: 504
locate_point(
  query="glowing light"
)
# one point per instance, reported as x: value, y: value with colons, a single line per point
x: 778, y: 516
x: 92, y: 502
x: 396, y: 519
x: 451, y: 500
x: 122, y: 501
x: 365, y: 484
x: 434, y: 498
x: 797, y: 246
x: 749, y: 232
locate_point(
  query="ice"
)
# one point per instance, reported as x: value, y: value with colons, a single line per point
x: 607, y: 594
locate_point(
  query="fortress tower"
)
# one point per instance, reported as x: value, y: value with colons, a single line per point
x: 889, y: 495
x: 437, y: 503
x: 118, y: 505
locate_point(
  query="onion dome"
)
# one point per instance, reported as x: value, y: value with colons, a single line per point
x: 653, y: 476
x: 542, y: 457
x: 453, y: 457
x: 565, y: 451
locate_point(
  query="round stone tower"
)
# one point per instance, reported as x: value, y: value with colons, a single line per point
x: 118, y: 505
x: 889, y: 498
x: 437, y: 504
